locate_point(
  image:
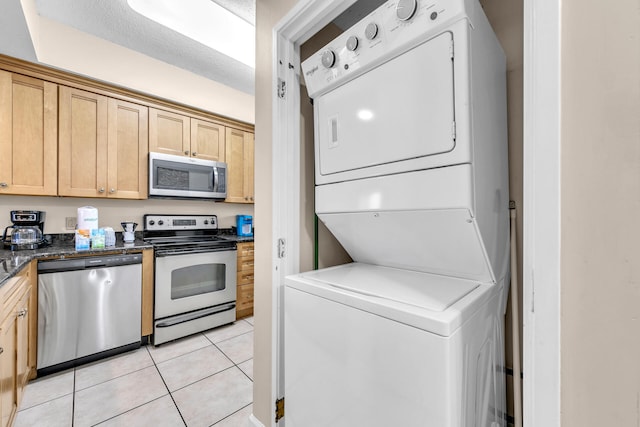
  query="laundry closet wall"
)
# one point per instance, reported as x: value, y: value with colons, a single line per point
x: 506, y: 18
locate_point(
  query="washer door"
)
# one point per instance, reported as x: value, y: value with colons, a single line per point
x: 401, y: 110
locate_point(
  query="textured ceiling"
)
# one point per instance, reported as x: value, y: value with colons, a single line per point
x: 115, y: 21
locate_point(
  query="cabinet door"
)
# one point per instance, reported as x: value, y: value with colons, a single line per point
x: 249, y: 165
x: 207, y: 140
x: 128, y: 145
x: 244, y: 280
x: 22, y: 344
x: 83, y: 144
x: 28, y: 135
x: 169, y: 133
x: 239, y: 158
x: 8, y: 397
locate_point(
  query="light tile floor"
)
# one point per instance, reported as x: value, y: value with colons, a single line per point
x: 202, y: 380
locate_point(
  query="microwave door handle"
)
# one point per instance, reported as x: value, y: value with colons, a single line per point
x: 215, y: 180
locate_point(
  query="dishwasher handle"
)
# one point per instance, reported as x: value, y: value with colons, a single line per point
x: 83, y: 263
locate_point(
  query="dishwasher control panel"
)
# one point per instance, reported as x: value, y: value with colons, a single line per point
x: 82, y: 263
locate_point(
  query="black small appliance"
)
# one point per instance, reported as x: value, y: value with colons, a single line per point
x: 27, y: 231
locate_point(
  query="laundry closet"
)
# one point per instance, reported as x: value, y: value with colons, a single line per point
x: 507, y: 24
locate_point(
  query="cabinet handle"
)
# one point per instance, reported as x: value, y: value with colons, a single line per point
x: 101, y: 190
x: 1, y: 350
x: 186, y: 153
x: 194, y: 154
x: 22, y: 312
x: 113, y: 190
x: 252, y: 198
x: 4, y: 184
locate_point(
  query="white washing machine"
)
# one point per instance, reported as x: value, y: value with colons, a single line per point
x: 412, y: 179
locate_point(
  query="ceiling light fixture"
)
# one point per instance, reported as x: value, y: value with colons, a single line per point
x: 205, y: 22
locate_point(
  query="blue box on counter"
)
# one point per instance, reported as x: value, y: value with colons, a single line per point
x: 244, y: 224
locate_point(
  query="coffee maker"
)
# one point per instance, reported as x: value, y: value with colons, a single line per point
x: 27, y: 231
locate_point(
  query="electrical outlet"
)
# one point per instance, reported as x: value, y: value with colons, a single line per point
x: 70, y: 223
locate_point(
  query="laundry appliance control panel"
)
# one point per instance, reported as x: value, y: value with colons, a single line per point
x: 394, y: 27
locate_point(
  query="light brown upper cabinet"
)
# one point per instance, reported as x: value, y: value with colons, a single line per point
x: 172, y: 133
x: 207, y: 140
x: 103, y: 146
x: 239, y: 155
x: 28, y: 135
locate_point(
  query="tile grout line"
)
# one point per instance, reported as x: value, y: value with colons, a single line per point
x: 233, y: 413
x: 73, y: 399
x: 155, y: 364
x: 165, y: 385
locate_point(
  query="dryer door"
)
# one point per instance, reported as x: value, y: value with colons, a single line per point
x: 403, y: 109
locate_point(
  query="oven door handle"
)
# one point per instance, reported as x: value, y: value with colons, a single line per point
x: 173, y: 252
x: 195, y: 315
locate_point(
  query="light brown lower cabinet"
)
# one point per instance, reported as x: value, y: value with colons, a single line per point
x: 244, y: 280
x: 17, y: 336
x: 147, y: 292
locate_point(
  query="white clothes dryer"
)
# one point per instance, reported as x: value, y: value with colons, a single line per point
x: 412, y: 179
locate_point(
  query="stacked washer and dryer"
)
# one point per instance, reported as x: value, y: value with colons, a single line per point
x: 412, y: 179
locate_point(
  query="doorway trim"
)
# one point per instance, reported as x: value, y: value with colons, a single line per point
x: 304, y: 20
x: 542, y: 209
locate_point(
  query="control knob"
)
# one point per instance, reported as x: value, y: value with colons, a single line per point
x: 328, y: 59
x: 152, y: 222
x: 161, y: 222
x: 406, y: 9
x: 371, y: 31
x: 206, y: 222
x: 352, y: 43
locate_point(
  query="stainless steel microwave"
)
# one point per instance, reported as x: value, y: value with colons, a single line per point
x: 186, y: 177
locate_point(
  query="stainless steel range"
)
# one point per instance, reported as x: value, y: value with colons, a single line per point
x: 195, y: 275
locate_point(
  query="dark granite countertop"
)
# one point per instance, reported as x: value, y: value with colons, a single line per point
x: 230, y: 234
x: 237, y: 239
x: 11, y: 262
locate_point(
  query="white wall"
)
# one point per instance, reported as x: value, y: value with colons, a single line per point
x: 112, y: 212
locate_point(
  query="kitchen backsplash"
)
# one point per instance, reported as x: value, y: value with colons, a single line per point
x: 113, y: 211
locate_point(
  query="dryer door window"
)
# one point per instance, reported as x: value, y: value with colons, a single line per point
x: 401, y: 110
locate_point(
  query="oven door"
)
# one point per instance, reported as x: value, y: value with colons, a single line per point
x: 192, y: 281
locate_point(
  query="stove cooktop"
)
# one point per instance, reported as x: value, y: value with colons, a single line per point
x: 172, y: 234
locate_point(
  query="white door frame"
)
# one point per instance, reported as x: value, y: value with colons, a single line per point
x: 541, y: 248
x: 541, y: 191
x: 305, y: 19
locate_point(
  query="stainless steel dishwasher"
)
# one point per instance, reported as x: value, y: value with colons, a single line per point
x: 88, y: 308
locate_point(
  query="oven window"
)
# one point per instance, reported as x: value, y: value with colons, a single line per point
x: 197, y: 280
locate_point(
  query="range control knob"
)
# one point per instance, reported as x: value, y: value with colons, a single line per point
x: 406, y: 9
x: 151, y: 222
x: 371, y: 31
x: 328, y: 59
x: 161, y: 222
x: 206, y: 222
x: 352, y: 43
